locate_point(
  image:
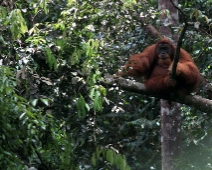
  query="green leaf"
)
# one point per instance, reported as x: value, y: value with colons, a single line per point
x: 3, y: 12
x: 17, y: 23
x: 93, y: 159
x: 110, y: 156
x: 103, y: 90
x: 22, y: 115
x: 45, y: 101
x: 51, y: 60
x: 75, y: 57
x: 92, y: 93
x: 34, y: 102
x: 81, y: 104
x: 96, y: 101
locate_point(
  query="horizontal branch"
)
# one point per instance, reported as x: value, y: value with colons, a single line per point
x: 198, y: 102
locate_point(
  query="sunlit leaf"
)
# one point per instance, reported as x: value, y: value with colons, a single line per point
x: 34, y: 102
x: 45, y: 101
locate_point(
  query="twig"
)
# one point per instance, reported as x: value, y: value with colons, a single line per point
x: 206, y: 46
x: 150, y: 30
x: 177, y: 52
x: 201, y: 53
x: 40, y: 158
x: 179, y: 43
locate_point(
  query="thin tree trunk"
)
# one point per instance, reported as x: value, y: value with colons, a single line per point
x: 170, y: 111
x: 170, y: 134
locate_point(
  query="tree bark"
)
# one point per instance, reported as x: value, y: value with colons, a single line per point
x: 170, y: 111
x: 195, y: 101
x: 170, y: 134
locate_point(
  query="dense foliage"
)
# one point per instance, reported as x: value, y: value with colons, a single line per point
x: 55, y: 111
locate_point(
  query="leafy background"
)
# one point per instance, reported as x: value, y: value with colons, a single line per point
x: 55, y: 111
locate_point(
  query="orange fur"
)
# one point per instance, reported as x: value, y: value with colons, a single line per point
x: 157, y: 70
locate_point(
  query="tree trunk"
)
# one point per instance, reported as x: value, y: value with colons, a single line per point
x: 170, y: 134
x: 170, y: 111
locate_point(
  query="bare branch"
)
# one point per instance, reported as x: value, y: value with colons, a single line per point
x: 198, y: 102
x: 150, y: 30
